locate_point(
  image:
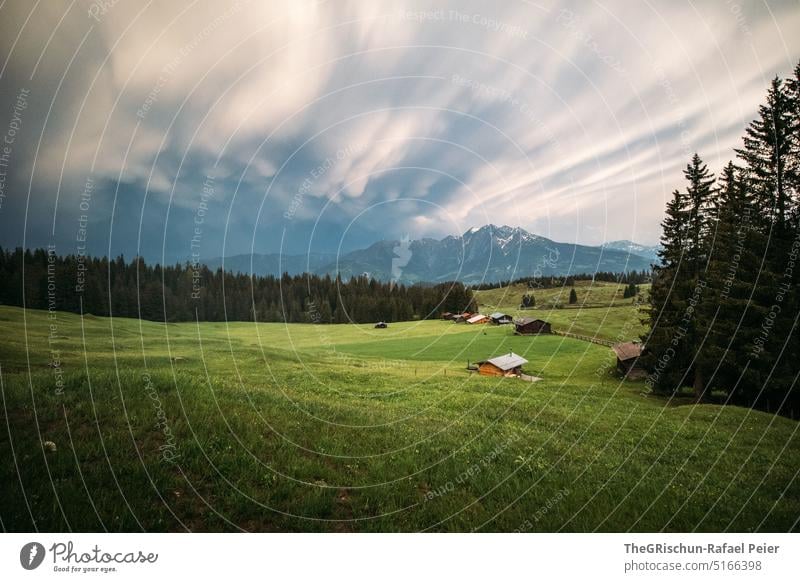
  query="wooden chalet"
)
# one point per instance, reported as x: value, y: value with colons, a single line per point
x: 628, y: 359
x: 500, y: 318
x: 531, y: 326
x: 478, y: 318
x: 508, y: 366
x: 462, y: 317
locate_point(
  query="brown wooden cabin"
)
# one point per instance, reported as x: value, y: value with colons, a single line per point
x: 478, y: 318
x: 531, y: 326
x: 447, y: 315
x: 462, y: 317
x: 507, y: 366
x: 628, y: 359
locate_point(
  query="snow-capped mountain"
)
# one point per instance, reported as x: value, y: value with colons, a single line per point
x: 488, y: 253
x: 483, y: 254
x: 649, y: 252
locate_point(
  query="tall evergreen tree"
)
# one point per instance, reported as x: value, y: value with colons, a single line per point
x: 770, y: 163
x: 793, y: 163
x: 768, y: 143
x: 793, y: 180
x: 700, y: 195
x: 665, y: 357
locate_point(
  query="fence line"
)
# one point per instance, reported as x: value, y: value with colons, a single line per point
x: 586, y: 338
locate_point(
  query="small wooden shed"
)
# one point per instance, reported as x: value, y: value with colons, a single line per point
x: 500, y: 318
x: 508, y: 366
x: 628, y: 359
x: 447, y: 315
x: 478, y: 318
x: 381, y: 325
x: 531, y: 326
x: 462, y: 317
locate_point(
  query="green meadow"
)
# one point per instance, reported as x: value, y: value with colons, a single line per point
x: 273, y: 427
x: 600, y: 311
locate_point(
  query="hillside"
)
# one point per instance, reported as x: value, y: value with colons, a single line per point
x: 600, y: 311
x: 272, y: 427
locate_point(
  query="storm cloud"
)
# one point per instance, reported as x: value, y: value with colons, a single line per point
x: 171, y: 128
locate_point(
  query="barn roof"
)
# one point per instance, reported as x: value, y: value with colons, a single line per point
x: 498, y: 315
x: 527, y: 320
x: 507, y: 362
x: 475, y: 318
x: 627, y: 350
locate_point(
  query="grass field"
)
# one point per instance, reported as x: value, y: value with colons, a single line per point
x: 599, y: 312
x: 267, y: 427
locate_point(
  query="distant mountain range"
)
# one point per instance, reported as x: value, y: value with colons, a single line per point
x: 487, y: 254
x: 649, y: 252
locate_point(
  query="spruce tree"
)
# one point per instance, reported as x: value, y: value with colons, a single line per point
x: 768, y: 143
x: 793, y: 181
x: 665, y: 357
x: 793, y: 162
x: 699, y: 195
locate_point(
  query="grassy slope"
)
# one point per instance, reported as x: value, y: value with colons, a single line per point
x: 600, y: 311
x: 349, y: 428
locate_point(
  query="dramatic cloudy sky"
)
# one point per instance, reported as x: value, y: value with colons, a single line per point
x: 266, y: 125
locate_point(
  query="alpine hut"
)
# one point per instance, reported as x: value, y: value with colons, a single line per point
x: 628, y: 359
x: 478, y: 318
x: 531, y: 326
x: 509, y: 366
x: 500, y: 318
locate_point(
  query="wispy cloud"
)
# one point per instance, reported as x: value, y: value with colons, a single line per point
x: 316, y: 118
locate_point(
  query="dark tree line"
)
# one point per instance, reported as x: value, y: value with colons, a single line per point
x: 183, y: 292
x: 723, y: 310
x: 554, y: 281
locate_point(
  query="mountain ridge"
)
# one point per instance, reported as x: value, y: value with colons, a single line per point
x: 648, y: 251
x: 482, y: 254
